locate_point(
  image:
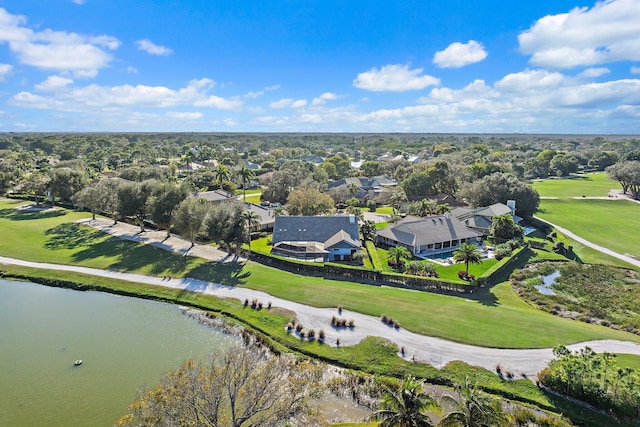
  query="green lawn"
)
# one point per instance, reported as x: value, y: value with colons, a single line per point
x: 591, y: 185
x: 612, y: 224
x: 494, y: 318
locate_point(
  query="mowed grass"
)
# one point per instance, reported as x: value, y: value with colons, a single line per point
x: 612, y: 224
x: 595, y: 184
x: 492, y: 318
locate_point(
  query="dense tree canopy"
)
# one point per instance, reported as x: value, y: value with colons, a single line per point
x: 500, y: 187
x: 308, y: 201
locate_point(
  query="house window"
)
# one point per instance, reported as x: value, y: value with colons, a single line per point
x: 336, y: 249
x: 430, y: 246
x: 446, y: 245
x: 454, y: 243
x: 438, y: 245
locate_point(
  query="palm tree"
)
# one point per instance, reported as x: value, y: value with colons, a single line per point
x: 368, y: 230
x: 443, y: 208
x: 245, y: 175
x: 251, y: 220
x: 406, y: 406
x: 222, y: 174
x: 397, y: 199
x: 468, y: 253
x: 472, y: 408
x: 398, y: 252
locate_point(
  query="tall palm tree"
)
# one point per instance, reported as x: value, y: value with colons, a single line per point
x: 245, y: 174
x: 443, y: 208
x: 222, y: 174
x: 251, y: 221
x: 468, y: 253
x: 472, y: 408
x: 406, y: 406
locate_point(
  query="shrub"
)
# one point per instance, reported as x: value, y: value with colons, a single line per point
x: 503, y: 251
x: 371, y: 205
x: 298, y: 327
x: 321, y: 335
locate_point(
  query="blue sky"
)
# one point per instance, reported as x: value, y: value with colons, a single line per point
x: 551, y: 66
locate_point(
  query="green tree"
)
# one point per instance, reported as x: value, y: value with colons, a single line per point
x: 397, y: 253
x: 397, y: 199
x: 308, y: 201
x: 467, y: 253
x: 133, y: 197
x: 66, y: 182
x: 405, y: 406
x: 472, y: 408
x: 222, y: 174
x: 36, y: 185
x: 90, y: 197
x: 252, y: 221
x: 627, y: 173
x: 500, y: 187
x: 245, y: 174
x: 225, y: 225
x: 368, y: 230
x: 163, y: 202
x: 190, y: 217
x: 563, y: 164
x: 503, y: 227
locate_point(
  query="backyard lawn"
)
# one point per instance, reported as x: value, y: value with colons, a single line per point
x: 493, y: 318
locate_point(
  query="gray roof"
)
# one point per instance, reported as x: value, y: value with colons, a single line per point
x: 267, y: 215
x: 417, y: 231
x: 482, y: 217
x: 315, y: 229
x: 214, y: 196
x: 364, y: 182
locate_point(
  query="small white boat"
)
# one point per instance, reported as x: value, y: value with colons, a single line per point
x: 77, y: 362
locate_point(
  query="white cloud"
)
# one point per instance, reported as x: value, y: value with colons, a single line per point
x: 394, y: 78
x: 530, y: 79
x: 79, y: 2
x: 53, y: 83
x: 147, y: 46
x: 608, y: 32
x: 322, y: 99
x: 184, y: 115
x: 282, y: 103
x: 56, y: 50
x: 299, y: 103
x: 253, y: 95
x: 635, y: 70
x: 100, y: 98
x: 458, y: 55
x: 594, y: 72
x: 132, y: 70
x: 5, y: 69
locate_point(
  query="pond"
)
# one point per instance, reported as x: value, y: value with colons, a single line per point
x: 547, y: 282
x: 125, y: 343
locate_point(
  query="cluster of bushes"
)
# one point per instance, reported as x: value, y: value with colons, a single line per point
x: 389, y: 321
x: 593, y: 378
x: 418, y: 268
x: 255, y: 304
x: 339, y: 322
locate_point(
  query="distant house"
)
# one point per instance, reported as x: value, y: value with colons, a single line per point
x: 316, y: 160
x: 215, y: 197
x: 267, y: 215
x: 427, y: 236
x: 480, y: 218
x: 317, y: 238
x: 249, y: 165
x: 367, y: 188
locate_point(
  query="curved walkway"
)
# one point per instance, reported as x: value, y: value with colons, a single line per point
x: 434, y: 351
